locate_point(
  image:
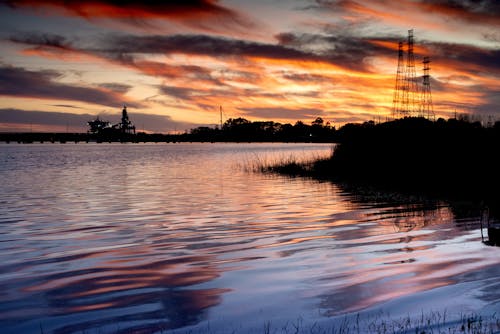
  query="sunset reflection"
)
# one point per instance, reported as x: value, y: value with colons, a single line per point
x: 129, y: 246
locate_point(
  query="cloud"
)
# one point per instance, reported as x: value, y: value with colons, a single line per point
x: 491, y: 36
x: 195, y: 13
x: 466, y: 57
x: 339, y: 50
x: 200, y: 45
x: 66, y: 106
x: 21, y: 120
x: 192, y: 73
x: 479, y: 11
x: 54, y: 46
x: 42, y: 40
x: 343, y: 50
x: 350, y: 68
x: 459, y: 19
x: 490, y: 98
x: 282, y: 113
x: 116, y: 87
x: 112, y: 8
x: 20, y: 82
x: 181, y: 93
x: 306, y: 77
x: 165, y: 70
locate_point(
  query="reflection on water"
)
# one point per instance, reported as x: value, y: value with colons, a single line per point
x: 119, y: 238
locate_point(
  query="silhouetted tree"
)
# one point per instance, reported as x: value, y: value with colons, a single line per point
x: 317, y: 122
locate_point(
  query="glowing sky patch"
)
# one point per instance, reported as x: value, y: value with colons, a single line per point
x: 282, y: 61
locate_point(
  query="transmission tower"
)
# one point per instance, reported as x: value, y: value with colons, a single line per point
x: 397, y: 101
x: 426, y: 99
x: 410, y: 91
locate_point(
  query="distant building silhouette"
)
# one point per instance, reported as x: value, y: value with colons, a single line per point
x: 126, y: 125
x: 98, y: 126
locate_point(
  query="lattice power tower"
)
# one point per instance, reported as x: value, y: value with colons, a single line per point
x: 397, y: 102
x: 408, y: 100
x: 426, y: 108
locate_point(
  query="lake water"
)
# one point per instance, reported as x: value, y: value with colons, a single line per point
x: 142, y: 238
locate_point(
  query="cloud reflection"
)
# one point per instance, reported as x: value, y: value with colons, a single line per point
x: 405, y: 242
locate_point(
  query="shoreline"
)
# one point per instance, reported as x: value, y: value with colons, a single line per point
x: 451, y: 160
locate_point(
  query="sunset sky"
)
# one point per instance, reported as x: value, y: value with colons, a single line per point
x: 174, y: 63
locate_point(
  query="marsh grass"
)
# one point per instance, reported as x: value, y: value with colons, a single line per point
x: 426, y: 323
x: 291, y: 165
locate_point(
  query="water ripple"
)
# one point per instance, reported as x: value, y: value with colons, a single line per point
x: 144, y: 238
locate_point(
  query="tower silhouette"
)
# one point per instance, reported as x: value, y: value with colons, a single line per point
x: 409, y: 100
x: 426, y: 108
x: 410, y: 91
x: 126, y: 125
x: 397, y: 101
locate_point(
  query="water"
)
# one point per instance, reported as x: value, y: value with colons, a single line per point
x: 119, y: 238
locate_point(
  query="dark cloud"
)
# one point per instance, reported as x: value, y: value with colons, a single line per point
x: 344, y: 51
x: 128, y: 8
x: 491, y: 7
x: 477, y: 11
x: 466, y: 57
x: 282, y: 113
x: 200, y: 45
x: 51, y: 45
x: 60, y: 120
x: 57, y: 44
x: 193, y: 73
x: 42, y: 40
x: 353, y: 51
x: 197, y: 13
x: 348, y: 51
x: 116, y: 87
x: 469, y: 10
x: 172, y: 71
x: 17, y: 116
x: 181, y: 93
x: 490, y: 102
x: 122, y: 48
x: 16, y: 81
x: 306, y: 77
x: 491, y: 36
x: 299, y: 40
x: 66, y: 106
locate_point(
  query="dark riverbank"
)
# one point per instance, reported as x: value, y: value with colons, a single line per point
x: 453, y: 159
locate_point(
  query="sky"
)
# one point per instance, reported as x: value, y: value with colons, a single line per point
x: 174, y: 63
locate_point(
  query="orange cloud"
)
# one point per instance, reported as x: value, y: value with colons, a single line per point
x: 113, y: 9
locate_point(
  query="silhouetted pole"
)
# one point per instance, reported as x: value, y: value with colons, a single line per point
x: 427, y: 109
x: 397, y: 101
x: 410, y: 92
x: 220, y: 111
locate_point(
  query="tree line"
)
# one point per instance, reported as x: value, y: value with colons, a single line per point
x: 243, y: 130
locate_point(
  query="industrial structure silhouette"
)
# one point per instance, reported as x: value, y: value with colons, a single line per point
x: 409, y: 99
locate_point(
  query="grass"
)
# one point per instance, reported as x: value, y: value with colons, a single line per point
x: 433, y: 322
x: 451, y: 159
x: 290, y: 165
x: 430, y: 323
